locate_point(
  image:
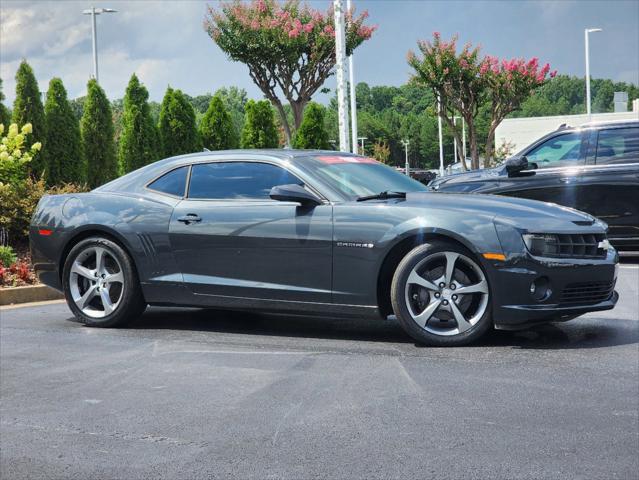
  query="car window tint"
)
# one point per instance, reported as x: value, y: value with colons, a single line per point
x: 619, y: 145
x: 172, y: 183
x: 232, y: 180
x: 560, y: 151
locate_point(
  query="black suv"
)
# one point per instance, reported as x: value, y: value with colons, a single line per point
x: 593, y: 168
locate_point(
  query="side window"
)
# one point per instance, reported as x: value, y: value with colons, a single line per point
x: 234, y: 180
x: 173, y: 182
x: 560, y: 151
x: 619, y: 145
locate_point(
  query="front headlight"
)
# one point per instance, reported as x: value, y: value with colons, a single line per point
x: 542, y: 245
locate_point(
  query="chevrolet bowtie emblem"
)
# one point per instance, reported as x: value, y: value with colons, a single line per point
x: 604, y: 244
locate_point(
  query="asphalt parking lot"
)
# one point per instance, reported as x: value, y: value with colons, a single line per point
x: 195, y: 394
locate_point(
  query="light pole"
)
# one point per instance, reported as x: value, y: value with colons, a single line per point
x: 455, y: 117
x: 587, y: 31
x: 351, y: 76
x: 340, y: 57
x: 361, y: 139
x: 441, y: 138
x: 406, y: 142
x: 93, y: 12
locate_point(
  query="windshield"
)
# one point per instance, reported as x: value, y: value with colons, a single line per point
x: 355, y: 177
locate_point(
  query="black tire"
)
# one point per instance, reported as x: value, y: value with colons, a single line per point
x: 398, y: 298
x: 131, y: 304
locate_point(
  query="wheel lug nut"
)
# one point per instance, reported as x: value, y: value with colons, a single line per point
x: 452, y: 286
x: 454, y: 297
x: 437, y: 295
x: 445, y: 302
x: 442, y: 285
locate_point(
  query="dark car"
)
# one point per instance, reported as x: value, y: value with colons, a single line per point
x: 594, y: 168
x: 320, y: 233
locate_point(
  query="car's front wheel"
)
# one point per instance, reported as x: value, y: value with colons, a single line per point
x: 441, y: 295
x: 101, y: 285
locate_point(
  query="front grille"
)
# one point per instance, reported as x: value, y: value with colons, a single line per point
x: 573, y: 245
x: 586, y: 293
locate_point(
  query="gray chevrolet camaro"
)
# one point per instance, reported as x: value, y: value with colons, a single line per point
x: 319, y: 233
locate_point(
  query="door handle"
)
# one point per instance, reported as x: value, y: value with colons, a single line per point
x: 568, y: 180
x: 190, y: 218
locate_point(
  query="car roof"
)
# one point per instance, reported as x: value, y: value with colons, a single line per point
x: 138, y: 178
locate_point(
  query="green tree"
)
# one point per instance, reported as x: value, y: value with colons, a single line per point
x: 259, y: 127
x: 235, y: 100
x: 217, y: 129
x: 5, y: 118
x: 27, y: 108
x: 312, y: 134
x: 286, y: 46
x: 96, y: 128
x: 63, y: 155
x: 138, y: 145
x: 177, y: 124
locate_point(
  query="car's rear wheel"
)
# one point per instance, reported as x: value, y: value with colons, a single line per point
x: 441, y: 295
x: 101, y: 285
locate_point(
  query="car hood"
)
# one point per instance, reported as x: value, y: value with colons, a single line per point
x: 482, y: 174
x: 530, y: 215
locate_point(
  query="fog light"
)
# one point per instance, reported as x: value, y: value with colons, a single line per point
x: 540, y: 289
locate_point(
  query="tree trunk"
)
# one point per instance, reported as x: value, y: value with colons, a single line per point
x: 472, y: 140
x: 282, y: 113
x: 457, y: 139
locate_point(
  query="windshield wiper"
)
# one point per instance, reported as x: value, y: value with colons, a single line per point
x: 382, y: 196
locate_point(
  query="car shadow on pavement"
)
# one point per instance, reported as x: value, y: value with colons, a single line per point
x: 584, y: 333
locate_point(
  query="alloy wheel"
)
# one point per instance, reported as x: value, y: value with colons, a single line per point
x: 96, y: 282
x: 446, y: 293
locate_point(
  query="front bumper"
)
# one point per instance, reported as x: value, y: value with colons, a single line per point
x: 575, y: 287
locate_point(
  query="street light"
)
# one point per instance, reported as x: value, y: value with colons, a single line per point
x: 441, y: 138
x: 93, y: 12
x: 351, y: 74
x: 586, y: 32
x: 361, y: 139
x: 406, y: 142
x: 340, y: 75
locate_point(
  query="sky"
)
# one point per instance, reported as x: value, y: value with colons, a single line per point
x: 165, y: 44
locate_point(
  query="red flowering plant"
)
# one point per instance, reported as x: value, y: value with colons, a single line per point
x: 509, y: 83
x: 287, y: 46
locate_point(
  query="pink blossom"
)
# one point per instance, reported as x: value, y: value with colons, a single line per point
x: 463, y: 63
x: 553, y: 74
x: 261, y: 6
x: 436, y: 34
x: 255, y: 25
x: 294, y: 33
x: 308, y: 28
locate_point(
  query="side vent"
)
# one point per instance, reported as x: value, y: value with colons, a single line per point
x: 150, y: 252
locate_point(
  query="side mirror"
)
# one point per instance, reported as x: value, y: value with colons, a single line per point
x: 515, y: 165
x: 294, y: 193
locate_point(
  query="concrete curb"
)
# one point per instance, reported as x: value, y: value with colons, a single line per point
x: 30, y: 293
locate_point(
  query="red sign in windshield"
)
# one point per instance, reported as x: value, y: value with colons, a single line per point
x: 333, y: 159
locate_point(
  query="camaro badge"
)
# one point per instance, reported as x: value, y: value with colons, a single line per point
x: 355, y: 244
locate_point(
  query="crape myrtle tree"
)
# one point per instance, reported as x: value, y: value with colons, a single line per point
x: 287, y: 47
x: 178, y: 132
x: 509, y: 83
x: 217, y: 129
x: 259, y: 126
x: 139, y: 135
x: 96, y: 129
x: 465, y: 81
x: 5, y: 118
x: 27, y: 108
x: 64, y: 159
x: 455, y: 80
x: 312, y: 134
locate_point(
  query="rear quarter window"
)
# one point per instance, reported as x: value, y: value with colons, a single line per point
x: 618, y: 145
x: 171, y: 183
